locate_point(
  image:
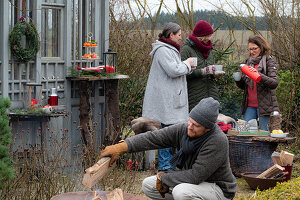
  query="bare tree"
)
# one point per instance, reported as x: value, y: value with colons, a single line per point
x: 282, y: 20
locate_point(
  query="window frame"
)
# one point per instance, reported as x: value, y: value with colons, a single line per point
x: 59, y: 7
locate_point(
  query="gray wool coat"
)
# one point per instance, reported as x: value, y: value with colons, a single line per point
x: 209, y: 163
x: 166, y: 99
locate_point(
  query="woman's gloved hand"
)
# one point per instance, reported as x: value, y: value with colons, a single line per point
x: 208, y: 70
x: 162, y: 189
x: 114, y: 152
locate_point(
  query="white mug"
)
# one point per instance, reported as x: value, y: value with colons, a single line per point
x: 48, y: 109
x: 218, y: 67
x: 237, y: 76
x: 194, y: 61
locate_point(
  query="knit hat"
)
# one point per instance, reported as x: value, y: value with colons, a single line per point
x: 206, y: 112
x: 202, y: 28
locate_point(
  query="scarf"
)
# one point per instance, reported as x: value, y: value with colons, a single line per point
x: 170, y: 42
x: 262, y: 61
x: 189, y: 146
x: 253, y: 61
x: 204, y: 48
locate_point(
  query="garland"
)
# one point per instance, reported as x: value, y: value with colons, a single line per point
x: 32, y: 41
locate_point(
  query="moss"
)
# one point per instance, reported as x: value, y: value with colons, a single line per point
x: 285, y: 191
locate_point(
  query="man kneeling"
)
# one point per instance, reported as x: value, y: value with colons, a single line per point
x: 201, y: 164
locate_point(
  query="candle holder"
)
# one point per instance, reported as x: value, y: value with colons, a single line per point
x: 110, y: 61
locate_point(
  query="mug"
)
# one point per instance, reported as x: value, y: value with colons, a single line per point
x: 237, y: 76
x: 194, y: 61
x: 47, y: 109
x: 218, y: 67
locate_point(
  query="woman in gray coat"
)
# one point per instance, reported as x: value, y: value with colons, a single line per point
x: 166, y: 99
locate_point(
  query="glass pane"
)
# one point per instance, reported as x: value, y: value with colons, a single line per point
x: 50, y: 36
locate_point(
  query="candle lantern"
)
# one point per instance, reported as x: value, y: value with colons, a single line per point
x: 110, y: 61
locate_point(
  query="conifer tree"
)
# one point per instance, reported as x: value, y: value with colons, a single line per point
x: 6, y: 170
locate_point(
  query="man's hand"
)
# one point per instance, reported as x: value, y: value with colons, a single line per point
x: 159, y: 185
x: 114, y: 152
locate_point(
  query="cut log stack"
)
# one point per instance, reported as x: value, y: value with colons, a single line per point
x: 272, y: 171
x: 281, y: 160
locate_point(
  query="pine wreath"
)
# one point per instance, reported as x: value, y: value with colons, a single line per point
x: 32, y: 39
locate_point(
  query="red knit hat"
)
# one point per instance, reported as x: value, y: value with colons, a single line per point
x: 202, y: 28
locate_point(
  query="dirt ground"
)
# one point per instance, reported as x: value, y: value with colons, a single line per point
x: 135, y: 184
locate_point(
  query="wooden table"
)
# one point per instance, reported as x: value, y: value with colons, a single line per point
x: 111, y: 115
x: 286, y: 140
x: 112, y: 111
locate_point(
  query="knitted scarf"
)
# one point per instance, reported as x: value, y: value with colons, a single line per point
x: 170, y: 42
x: 253, y: 61
x: 189, y: 146
x: 204, y: 48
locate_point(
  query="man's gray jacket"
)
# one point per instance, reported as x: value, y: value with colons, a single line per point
x: 210, y: 163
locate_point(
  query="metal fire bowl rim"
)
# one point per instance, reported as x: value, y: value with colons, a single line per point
x: 261, y: 183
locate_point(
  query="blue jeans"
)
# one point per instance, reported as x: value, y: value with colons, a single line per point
x: 253, y: 113
x: 164, y: 156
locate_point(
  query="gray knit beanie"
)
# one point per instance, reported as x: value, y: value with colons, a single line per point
x: 206, y: 112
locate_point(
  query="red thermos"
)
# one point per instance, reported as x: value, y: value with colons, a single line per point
x: 53, y: 99
x: 251, y: 72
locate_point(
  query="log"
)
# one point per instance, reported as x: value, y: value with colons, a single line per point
x: 116, y: 194
x: 272, y: 171
x: 286, y: 158
x: 95, y: 173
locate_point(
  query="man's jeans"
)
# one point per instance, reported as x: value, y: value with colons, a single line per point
x: 253, y: 113
x: 184, y: 191
x: 164, y: 156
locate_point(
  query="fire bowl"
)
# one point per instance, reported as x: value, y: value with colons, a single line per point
x: 89, y: 195
x: 260, y: 183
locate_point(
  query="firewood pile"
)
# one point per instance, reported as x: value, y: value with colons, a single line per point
x: 278, y: 170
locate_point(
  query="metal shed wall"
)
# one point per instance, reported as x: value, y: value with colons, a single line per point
x: 76, y: 18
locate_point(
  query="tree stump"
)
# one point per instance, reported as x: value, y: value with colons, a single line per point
x: 112, y: 113
x: 86, y: 124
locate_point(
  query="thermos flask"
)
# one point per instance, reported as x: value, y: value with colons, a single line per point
x: 250, y: 72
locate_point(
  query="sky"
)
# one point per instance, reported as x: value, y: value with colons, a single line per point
x: 200, y: 5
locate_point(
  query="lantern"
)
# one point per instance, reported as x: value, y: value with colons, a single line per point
x: 110, y: 61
